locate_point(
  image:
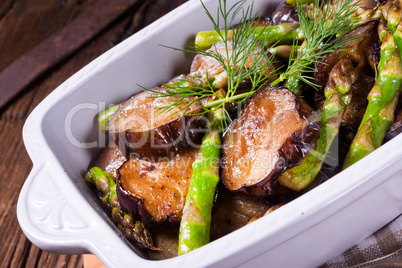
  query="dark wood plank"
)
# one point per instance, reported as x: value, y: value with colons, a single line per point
x: 55, y: 49
x: 24, y: 24
x: 15, y: 165
x: 5, y: 6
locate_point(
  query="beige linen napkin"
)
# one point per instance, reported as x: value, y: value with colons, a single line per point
x: 383, y: 242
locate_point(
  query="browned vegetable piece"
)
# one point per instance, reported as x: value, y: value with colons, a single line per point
x: 396, y: 127
x: 167, y: 242
x: 234, y: 211
x: 273, y: 133
x: 203, y: 64
x: 141, y: 130
x: 363, y: 50
x: 155, y: 191
x: 355, y: 110
x: 369, y: 4
x: 270, y: 210
x: 109, y: 159
x: 285, y: 13
x: 365, y: 54
x: 261, y: 22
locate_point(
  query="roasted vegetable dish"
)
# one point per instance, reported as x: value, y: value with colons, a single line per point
x: 271, y: 107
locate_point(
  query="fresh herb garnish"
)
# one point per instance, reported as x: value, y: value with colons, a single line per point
x: 319, y: 22
x: 240, y: 44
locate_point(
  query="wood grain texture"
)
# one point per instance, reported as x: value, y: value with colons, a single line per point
x: 33, y: 64
x: 23, y: 25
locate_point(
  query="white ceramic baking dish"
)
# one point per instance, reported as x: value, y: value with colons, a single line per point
x: 59, y: 213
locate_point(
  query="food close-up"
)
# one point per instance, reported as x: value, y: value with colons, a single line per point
x: 270, y: 108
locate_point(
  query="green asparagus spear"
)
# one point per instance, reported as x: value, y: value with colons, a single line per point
x: 294, y: 83
x: 134, y: 230
x: 192, y: 82
x: 316, y: 39
x: 284, y: 33
x: 196, y: 219
x: 393, y: 14
x: 197, y: 82
x: 284, y: 51
x: 337, y: 93
x: 384, y: 95
x: 104, y: 183
x: 103, y: 117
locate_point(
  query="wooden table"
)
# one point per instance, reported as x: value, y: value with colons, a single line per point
x: 26, y: 27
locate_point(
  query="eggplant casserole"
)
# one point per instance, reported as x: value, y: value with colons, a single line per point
x: 255, y: 122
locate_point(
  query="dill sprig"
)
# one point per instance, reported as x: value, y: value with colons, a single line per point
x: 241, y: 44
x: 182, y: 99
x: 319, y: 22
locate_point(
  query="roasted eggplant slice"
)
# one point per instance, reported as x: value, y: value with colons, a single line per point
x: 259, y: 22
x: 204, y: 65
x: 355, y: 110
x: 109, y: 159
x: 273, y: 133
x: 142, y: 131
x: 262, y: 22
x: 364, y: 51
x: 167, y: 243
x: 234, y: 211
x: 231, y: 213
x: 396, y: 127
x: 357, y: 107
x: 155, y: 191
x: 285, y: 13
x: 369, y: 4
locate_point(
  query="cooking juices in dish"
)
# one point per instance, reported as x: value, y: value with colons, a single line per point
x: 250, y: 126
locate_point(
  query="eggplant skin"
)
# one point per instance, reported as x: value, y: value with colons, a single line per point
x: 274, y: 132
x: 109, y: 159
x: 155, y: 192
x: 285, y: 13
x: 235, y: 211
x: 365, y: 54
x: 141, y: 131
x: 164, y: 141
x: 363, y: 50
x: 396, y: 127
x: 204, y: 64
